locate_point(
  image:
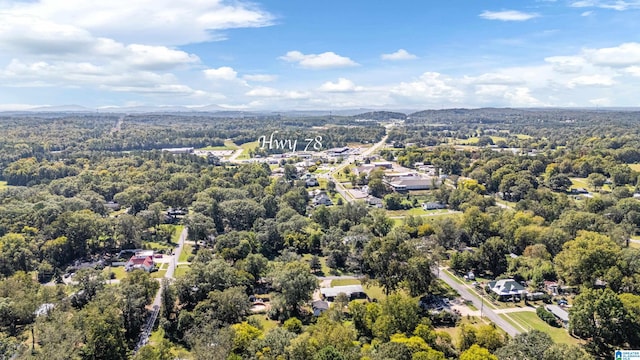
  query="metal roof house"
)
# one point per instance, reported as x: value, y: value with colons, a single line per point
x: 352, y: 291
x: 507, y: 289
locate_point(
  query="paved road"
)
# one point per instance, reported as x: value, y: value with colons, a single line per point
x: 348, y: 160
x: 148, y: 327
x: 467, y: 294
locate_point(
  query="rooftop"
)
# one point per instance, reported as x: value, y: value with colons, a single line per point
x: 347, y: 290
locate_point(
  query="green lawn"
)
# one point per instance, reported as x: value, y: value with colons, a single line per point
x: 158, y: 274
x: 579, y: 183
x: 177, y: 230
x: 3, y: 184
x: 187, y: 250
x: 247, y: 146
x: 375, y: 291
x: 164, y: 266
x: 265, y: 322
x: 344, y: 282
x: 157, y: 246
x: 119, y: 271
x: 523, y: 136
x: 216, y: 148
x: 181, y: 270
x: 531, y: 321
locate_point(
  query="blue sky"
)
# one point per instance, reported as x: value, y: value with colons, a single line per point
x: 280, y: 55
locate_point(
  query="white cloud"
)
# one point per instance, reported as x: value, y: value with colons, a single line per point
x: 222, y: 73
x: 619, y: 5
x: 401, y: 54
x: 260, y: 77
x: 342, y: 85
x: 493, y: 79
x: 633, y: 70
x: 144, y: 21
x: 431, y: 86
x: 508, y: 15
x: 566, y: 64
x: 587, y: 13
x: 591, y: 80
x: 263, y: 91
x: 325, y: 60
x: 627, y: 54
x: 157, y: 57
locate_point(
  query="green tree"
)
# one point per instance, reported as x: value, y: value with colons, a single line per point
x: 295, y: 282
x: 328, y: 353
x: 104, y: 332
x: 596, y: 180
x: 476, y: 352
x: 565, y: 352
x: 492, y: 256
x: 586, y: 258
x: 241, y: 214
x: 600, y: 316
x: 526, y: 346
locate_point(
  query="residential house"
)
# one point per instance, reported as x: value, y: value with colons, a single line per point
x: 507, y: 289
x: 322, y: 199
x: 433, y: 206
x: 140, y: 260
x: 311, y: 182
x: 352, y: 292
x: 374, y: 201
x: 319, y: 306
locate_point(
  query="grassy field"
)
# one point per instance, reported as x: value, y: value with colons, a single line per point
x: 181, y: 270
x: 265, y: 322
x: 119, y: 271
x: 157, y: 246
x: 3, y: 184
x: 324, y: 270
x: 187, y: 250
x: 228, y: 145
x: 247, y: 146
x: 531, y: 321
x: 177, y: 230
x: 344, y: 282
x: 579, y: 183
x: 158, y: 274
x: 418, y: 211
x: 374, y: 291
x: 523, y: 136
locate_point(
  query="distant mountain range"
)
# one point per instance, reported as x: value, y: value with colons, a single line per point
x: 218, y: 111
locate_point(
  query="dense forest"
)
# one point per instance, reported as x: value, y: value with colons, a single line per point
x: 537, y: 196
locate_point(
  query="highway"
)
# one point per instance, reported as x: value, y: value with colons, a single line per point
x: 472, y: 296
x: 348, y: 160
